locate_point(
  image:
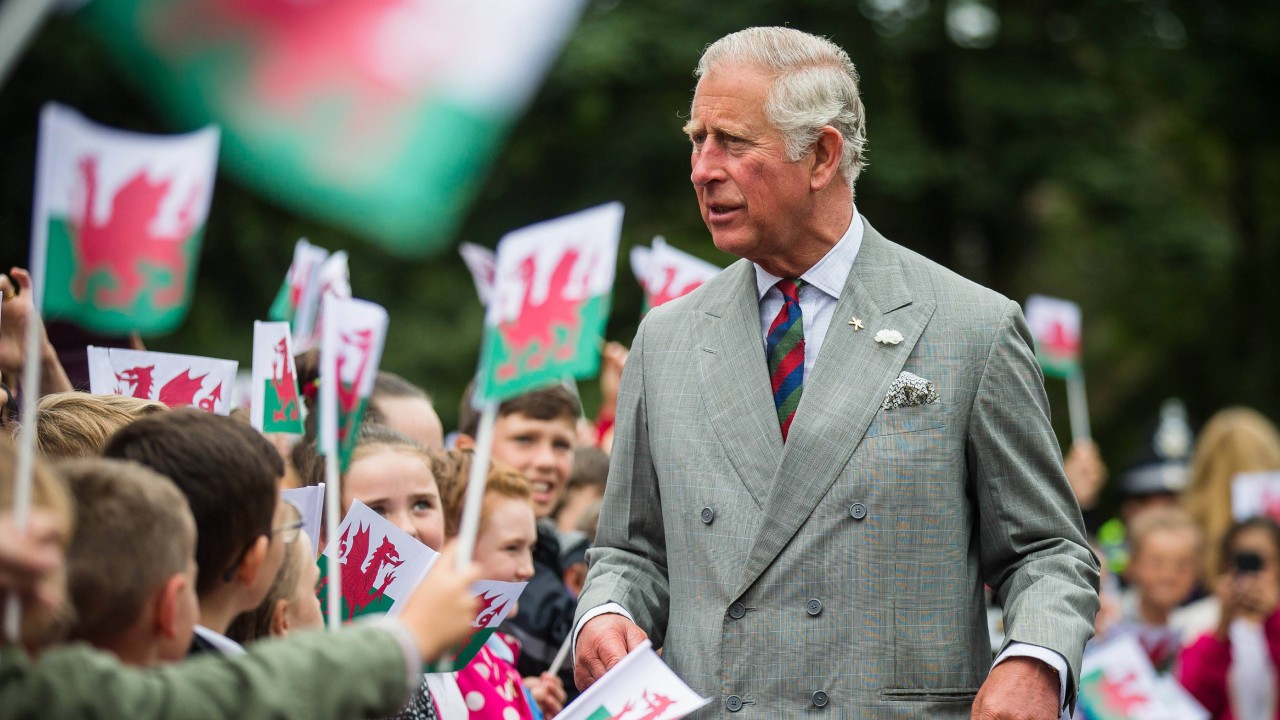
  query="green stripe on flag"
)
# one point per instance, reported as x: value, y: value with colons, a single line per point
x: 601, y: 713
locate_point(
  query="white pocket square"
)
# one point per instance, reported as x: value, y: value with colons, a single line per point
x: 909, y: 390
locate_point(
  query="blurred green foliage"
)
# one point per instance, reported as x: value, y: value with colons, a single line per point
x: 1120, y: 153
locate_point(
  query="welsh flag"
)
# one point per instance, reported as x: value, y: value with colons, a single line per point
x: 377, y: 115
x: 550, y: 303
x: 304, y: 269
x: 332, y: 278
x: 381, y: 564
x: 354, y: 332
x: 480, y: 262
x: 666, y: 273
x: 639, y: 687
x: 1055, y: 324
x: 118, y: 219
x: 497, y: 599
x: 276, y: 406
x: 1117, y: 682
x: 174, y: 380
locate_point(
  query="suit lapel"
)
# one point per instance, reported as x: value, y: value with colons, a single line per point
x: 735, y: 380
x: 849, y: 380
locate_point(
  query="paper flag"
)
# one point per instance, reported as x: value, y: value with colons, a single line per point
x: 174, y: 380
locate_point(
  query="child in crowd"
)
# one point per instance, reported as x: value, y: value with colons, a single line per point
x: 491, y: 684
x: 392, y: 474
x: 291, y: 603
x: 77, y: 424
x: 1163, y: 566
x: 230, y: 475
x: 131, y: 564
x: 1232, y: 670
x: 585, y: 487
x: 357, y: 672
x: 535, y: 434
x: 405, y: 408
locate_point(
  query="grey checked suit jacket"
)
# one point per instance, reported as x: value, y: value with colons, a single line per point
x: 843, y: 573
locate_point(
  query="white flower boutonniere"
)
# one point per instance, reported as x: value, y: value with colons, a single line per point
x: 888, y: 337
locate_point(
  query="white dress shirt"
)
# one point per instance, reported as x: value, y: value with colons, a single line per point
x: 818, y: 299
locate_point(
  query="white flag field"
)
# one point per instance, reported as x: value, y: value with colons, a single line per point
x: 667, y: 273
x: 639, y: 687
x: 332, y: 279
x: 174, y: 380
x: 480, y: 261
x: 1117, y: 682
x: 1256, y: 494
x: 309, y: 501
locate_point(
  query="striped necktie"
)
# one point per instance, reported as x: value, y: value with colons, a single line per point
x: 785, y: 351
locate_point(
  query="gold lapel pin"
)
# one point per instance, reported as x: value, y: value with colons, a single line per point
x: 856, y: 323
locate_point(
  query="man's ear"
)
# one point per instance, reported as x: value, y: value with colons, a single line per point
x: 251, y: 563
x: 464, y: 442
x: 280, y: 619
x: 166, y: 600
x: 827, y: 151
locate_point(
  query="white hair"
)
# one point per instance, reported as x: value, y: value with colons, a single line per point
x: 815, y: 84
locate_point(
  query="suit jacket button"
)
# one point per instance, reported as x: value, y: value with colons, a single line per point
x: 733, y: 703
x: 858, y: 511
x: 814, y: 606
x: 708, y: 515
x: 737, y: 610
x: 820, y: 699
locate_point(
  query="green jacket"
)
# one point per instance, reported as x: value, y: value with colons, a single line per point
x: 357, y: 673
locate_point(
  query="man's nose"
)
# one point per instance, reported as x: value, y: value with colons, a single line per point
x: 707, y: 165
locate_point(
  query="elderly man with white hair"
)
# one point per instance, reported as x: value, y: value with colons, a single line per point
x: 824, y: 453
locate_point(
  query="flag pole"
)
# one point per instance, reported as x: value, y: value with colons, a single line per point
x: 470, y: 525
x: 561, y: 655
x: 333, y: 508
x: 31, y: 381
x: 1078, y: 407
x: 332, y: 472
x: 20, y: 20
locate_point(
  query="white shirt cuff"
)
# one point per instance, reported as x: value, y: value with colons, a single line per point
x: 605, y: 609
x: 1049, y: 657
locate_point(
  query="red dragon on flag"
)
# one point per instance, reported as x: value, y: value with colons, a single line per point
x: 179, y: 391
x: 283, y: 383
x: 546, y: 329
x: 126, y: 241
x: 360, y: 586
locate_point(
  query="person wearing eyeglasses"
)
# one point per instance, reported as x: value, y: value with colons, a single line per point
x: 230, y: 475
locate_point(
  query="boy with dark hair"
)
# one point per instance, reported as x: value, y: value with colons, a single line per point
x: 131, y: 568
x: 231, y: 476
x: 535, y: 433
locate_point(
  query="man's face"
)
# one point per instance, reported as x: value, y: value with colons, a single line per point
x: 754, y: 201
x: 285, y: 513
x: 540, y: 449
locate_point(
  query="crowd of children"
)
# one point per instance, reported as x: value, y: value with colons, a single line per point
x: 188, y: 579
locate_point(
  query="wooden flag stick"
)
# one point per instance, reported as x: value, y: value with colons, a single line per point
x: 1078, y: 407
x: 475, y: 485
x: 332, y: 518
x: 562, y: 654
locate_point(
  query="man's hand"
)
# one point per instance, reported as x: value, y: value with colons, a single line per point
x: 604, y: 640
x: 1020, y: 688
x: 18, y: 311
x: 548, y: 692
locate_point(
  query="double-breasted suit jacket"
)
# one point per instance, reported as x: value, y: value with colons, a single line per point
x: 841, y: 572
